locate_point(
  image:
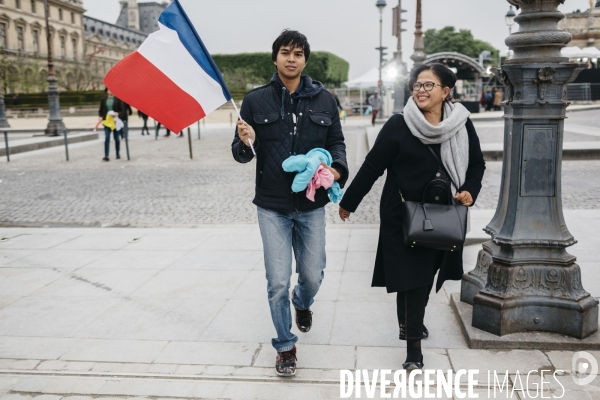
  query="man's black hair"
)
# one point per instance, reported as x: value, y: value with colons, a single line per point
x: 105, y: 90
x: 294, y: 39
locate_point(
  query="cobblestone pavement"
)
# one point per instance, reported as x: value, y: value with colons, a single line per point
x: 161, y: 186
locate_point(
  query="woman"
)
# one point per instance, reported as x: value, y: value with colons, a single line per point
x: 110, y: 103
x: 430, y: 119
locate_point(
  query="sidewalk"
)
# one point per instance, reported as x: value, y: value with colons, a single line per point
x: 182, y: 313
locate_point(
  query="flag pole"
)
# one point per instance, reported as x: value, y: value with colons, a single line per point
x: 240, y: 118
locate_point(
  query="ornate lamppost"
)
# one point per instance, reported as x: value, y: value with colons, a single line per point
x: 55, y: 123
x: 380, y: 6
x: 419, y: 49
x: 524, y: 279
x: 400, y: 81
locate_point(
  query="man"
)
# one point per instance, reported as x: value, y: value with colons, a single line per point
x: 110, y: 103
x: 290, y: 116
x: 376, y: 104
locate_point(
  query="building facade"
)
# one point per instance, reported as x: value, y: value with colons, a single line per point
x: 584, y: 26
x: 84, y: 48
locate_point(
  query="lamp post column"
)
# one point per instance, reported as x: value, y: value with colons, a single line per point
x: 400, y: 78
x: 380, y: 6
x: 524, y: 279
x: 55, y: 122
x: 419, y: 49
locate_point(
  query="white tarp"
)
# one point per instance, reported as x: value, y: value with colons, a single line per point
x: 371, y: 78
x: 577, y: 52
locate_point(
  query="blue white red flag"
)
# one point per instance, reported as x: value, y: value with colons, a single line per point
x: 171, y: 77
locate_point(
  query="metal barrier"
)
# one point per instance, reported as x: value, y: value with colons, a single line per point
x: 6, y: 144
x: 583, y: 92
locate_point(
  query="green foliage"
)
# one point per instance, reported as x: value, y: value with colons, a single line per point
x: 241, y: 70
x: 67, y: 99
x: 448, y: 39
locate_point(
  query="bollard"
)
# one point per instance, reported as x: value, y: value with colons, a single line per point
x: 230, y: 119
x: 6, y: 146
x: 199, y: 137
x: 190, y: 142
x: 126, y: 132
x: 66, y: 144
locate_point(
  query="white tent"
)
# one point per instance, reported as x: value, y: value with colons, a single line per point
x: 370, y: 80
x: 577, y: 52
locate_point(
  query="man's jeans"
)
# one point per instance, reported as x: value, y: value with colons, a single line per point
x: 117, y: 137
x: 305, y: 233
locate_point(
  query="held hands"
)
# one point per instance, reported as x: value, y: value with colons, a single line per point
x: 344, y: 215
x: 246, y: 132
x: 336, y: 175
x: 464, y: 198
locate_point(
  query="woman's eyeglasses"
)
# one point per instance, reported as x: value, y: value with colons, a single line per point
x: 427, y: 85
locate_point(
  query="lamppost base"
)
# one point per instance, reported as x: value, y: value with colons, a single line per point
x: 54, y: 128
x: 4, y: 123
x: 503, y: 316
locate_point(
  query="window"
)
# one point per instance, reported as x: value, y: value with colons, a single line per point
x: 60, y: 14
x: 2, y: 35
x: 74, y: 43
x: 18, y: 4
x: 93, y: 29
x: 63, y: 47
x: 20, y: 43
x: 72, y: 18
x: 36, y: 41
x: 33, y: 7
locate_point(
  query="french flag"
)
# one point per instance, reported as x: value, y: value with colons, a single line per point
x: 171, y: 77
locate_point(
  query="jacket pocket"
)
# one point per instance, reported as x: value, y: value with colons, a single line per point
x: 320, y: 121
x: 267, y: 129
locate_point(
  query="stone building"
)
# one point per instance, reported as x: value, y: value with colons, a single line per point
x: 23, y: 48
x: 584, y: 26
x: 84, y: 48
x: 141, y: 17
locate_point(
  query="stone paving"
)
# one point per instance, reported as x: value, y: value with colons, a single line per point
x: 161, y: 186
x: 156, y: 310
x: 182, y: 313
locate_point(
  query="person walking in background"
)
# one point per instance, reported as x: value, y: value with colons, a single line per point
x: 498, y: 99
x: 376, y: 105
x: 110, y: 104
x: 489, y: 99
x: 144, y: 117
x: 408, y: 148
x: 291, y: 115
x: 168, y: 131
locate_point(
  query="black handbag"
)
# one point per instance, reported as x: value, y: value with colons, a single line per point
x: 440, y: 224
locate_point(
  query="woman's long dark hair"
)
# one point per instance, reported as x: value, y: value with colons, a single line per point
x: 443, y: 73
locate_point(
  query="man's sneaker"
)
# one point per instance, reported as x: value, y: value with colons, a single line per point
x: 402, y: 335
x: 285, y: 363
x: 105, y: 159
x: 304, y: 319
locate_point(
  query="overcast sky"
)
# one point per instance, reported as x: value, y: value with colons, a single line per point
x: 347, y: 28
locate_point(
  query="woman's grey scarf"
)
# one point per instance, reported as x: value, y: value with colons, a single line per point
x: 451, y: 133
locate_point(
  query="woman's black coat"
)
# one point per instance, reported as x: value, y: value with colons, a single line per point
x: 410, y: 167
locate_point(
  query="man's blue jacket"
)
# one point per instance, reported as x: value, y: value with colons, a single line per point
x: 268, y: 109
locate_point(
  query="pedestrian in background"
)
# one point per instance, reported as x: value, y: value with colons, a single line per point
x: 144, y: 117
x: 376, y: 105
x: 489, y: 99
x: 498, y: 99
x: 405, y: 147
x: 107, y: 104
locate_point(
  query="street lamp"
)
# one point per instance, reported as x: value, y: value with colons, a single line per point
x: 380, y: 6
x: 55, y: 123
x: 510, y: 19
x: 524, y: 279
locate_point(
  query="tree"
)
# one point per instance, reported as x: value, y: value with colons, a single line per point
x: 448, y: 39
